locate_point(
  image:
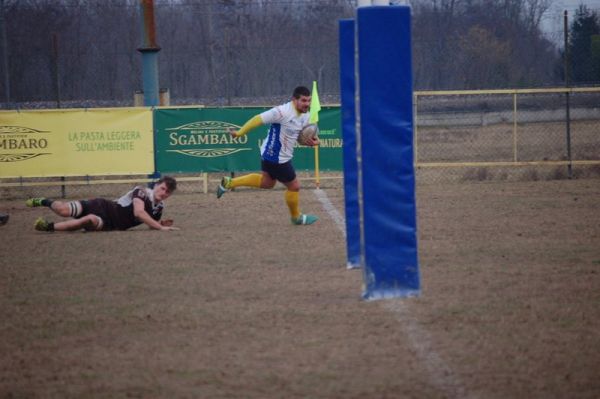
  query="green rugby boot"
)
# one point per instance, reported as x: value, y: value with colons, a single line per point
x: 224, y: 186
x: 34, y: 202
x: 42, y: 224
x: 305, y: 219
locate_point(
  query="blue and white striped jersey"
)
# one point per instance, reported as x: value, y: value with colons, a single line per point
x: 286, y: 124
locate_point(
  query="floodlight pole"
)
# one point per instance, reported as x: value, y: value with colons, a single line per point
x: 4, y: 52
x: 149, y: 50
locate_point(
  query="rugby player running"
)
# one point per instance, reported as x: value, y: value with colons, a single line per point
x: 277, y: 151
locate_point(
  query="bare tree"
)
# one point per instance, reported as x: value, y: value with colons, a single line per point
x: 454, y: 42
x: 220, y: 50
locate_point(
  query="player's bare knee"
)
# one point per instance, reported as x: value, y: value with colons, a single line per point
x: 61, y: 208
x: 91, y: 222
x: 267, y: 184
x: 67, y: 209
x: 293, y: 185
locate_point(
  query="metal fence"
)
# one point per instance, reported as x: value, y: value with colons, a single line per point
x: 507, y: 134
x: 460, y: 136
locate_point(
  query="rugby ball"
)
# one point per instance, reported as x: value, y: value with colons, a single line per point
x: 307, y: 134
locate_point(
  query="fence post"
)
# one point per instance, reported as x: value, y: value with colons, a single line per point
x: 515, y: 157
x: 56, y: 71
x: 415, y: 128
x: 567, y: 98
x: 205, y: 182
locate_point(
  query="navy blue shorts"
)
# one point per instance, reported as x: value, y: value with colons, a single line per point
x: 283, y: 172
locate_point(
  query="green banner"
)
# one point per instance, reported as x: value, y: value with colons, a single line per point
x: 197, y: 140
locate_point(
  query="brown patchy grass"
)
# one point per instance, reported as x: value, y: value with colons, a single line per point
x: 241, y: 304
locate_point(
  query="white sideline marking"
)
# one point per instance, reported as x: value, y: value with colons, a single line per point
x: 337, y: 217
x: 331, y: 210
x: 440, y: 373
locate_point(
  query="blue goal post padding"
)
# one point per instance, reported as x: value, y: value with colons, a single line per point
x: 385, y: 145
x: 347, y: 92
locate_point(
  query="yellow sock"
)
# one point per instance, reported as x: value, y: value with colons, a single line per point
x: 251, y: 180
x: 292, y: 198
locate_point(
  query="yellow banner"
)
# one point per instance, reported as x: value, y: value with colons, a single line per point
x: 76, y: 142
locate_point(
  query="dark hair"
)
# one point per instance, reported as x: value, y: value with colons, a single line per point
x: 169, y: 181
x: 301, y: 91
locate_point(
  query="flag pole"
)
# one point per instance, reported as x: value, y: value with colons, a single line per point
x: 315, y: 107
x: 317, y: 180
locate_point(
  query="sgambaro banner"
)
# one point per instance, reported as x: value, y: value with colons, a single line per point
x: 76, y: 142
x: 197, y: 140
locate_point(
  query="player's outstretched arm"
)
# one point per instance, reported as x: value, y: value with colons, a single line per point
x: 251, y: 124
x: 140, y: 213
x: 167, y: 222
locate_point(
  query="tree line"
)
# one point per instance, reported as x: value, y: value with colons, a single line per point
x: 225, y: 50
x: 584, y: 47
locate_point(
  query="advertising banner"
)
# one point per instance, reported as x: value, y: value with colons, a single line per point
x: 197, y: 140
x: 76, y: 142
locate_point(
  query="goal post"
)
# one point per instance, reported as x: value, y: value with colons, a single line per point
x: 384, y: 150
x: 350, y: 165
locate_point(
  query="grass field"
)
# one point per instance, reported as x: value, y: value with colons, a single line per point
x: 241, y: 304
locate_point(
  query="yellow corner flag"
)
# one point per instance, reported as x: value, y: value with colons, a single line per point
x: 315, y: 105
